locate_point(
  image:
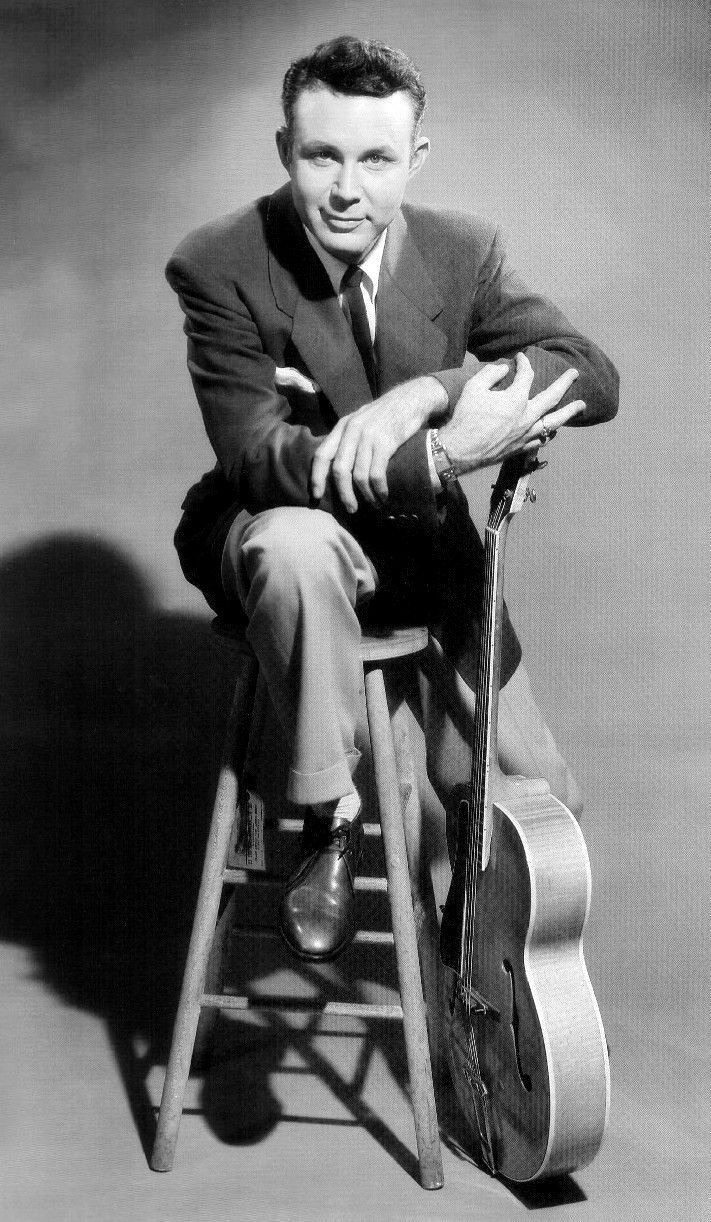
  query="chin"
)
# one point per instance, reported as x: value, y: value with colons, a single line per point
x: 346, y: 253
x: 344, y: 246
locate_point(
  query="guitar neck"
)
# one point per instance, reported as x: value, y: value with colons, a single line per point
x: 474, y: 812
x: 485, y: 756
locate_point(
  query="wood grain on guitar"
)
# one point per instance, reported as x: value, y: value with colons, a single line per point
x: 525, y: 1040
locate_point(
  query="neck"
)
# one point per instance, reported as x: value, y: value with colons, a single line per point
x: 485, y: 756
x: 474, y: 811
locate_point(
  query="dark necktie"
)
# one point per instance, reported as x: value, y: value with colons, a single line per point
x: 354, y: 310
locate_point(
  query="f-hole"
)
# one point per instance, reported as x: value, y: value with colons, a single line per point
x: 524, y: 1077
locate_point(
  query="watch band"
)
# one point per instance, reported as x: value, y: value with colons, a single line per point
x: 443, y: 464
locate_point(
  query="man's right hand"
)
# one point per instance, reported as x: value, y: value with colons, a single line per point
x: 488, y: 425
x: 359, y: 447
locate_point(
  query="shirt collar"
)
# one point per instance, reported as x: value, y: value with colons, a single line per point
x: 370, y: 265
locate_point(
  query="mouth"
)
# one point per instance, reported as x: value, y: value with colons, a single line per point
x: 341, y: 224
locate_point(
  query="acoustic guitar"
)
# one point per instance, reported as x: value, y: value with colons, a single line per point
x: 525, y: 1041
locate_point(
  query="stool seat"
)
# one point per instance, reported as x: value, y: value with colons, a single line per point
x: 375, y: 646
x: 393, y: 643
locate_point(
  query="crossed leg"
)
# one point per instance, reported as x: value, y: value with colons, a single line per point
x: 299, y: 576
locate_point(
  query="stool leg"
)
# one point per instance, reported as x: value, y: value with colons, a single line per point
x: 423, y: 898
x: 219, y: 950
x: 214, y: 973
x: 205, y: 920
x: 414, y: 1021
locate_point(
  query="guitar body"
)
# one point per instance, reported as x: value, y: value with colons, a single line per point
x: 540, y: 1043
x: 525, y: 1040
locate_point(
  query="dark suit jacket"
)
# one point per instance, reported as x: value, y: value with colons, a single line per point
x: 256, y: 297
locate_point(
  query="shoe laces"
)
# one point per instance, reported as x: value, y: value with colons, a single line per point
x: 338, y: 836
x: 341, y: 836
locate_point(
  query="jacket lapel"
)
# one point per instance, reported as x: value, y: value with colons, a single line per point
x: 408, y: 341
x: 303, y: 290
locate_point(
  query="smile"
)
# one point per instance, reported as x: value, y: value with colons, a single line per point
x: 341, y: 222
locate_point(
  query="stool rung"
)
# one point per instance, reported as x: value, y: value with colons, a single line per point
x: 265, y: 933
x: 240, y: 877
x: 347, y: 1009
x: 295, y: 825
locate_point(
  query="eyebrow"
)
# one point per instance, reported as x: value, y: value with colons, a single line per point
x: 312, y: 146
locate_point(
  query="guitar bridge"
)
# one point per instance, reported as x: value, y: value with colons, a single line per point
x: 474, y: 1002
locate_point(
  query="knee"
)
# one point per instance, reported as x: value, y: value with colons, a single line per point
x: 295, y: 548
x: 526, y: 745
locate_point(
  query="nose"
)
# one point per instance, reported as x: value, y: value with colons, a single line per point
x: 345, y: 189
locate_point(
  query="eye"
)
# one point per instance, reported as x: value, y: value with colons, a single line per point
x: 376, y: 159
x: 321, y: 157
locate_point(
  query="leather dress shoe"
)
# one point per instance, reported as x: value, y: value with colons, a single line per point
x: 317, y: 909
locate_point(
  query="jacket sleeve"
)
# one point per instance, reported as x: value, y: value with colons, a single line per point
x: 265, y: 457
x: 508, y: 318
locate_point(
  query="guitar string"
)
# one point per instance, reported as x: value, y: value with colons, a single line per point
x: 477, y: 794
x: 477, y: 784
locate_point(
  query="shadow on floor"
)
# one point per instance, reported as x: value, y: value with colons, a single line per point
x: 112, y: 715
x: 109, y: 714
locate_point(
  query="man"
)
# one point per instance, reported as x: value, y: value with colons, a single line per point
x: 352, y: 358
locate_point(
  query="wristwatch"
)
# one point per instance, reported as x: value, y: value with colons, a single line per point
x: 444, y: 466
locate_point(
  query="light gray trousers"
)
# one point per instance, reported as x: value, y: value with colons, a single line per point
x: 299, y: 576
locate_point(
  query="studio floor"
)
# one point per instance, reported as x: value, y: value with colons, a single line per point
x: 72, y: 1152
x: 110, y: 727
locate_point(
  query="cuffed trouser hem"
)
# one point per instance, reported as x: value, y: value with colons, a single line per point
x: 308, y: 788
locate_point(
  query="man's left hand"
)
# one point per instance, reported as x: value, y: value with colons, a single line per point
x: 359, y: 447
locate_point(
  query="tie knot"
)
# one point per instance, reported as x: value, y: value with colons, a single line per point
x: 352, y: 277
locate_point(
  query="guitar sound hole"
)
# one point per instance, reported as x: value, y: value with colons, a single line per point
x: 524, y: 1077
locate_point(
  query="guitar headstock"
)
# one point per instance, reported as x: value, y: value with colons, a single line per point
x: 510, y: 491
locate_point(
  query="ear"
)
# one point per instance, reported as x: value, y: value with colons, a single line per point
x: 282, y: 143
x: 418, y: 155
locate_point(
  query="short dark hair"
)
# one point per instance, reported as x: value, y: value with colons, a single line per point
x: 353, y: 66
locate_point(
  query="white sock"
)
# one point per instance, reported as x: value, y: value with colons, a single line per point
x: 346, y: 807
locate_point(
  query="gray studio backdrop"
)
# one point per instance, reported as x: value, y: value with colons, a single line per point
x: 584, y: 129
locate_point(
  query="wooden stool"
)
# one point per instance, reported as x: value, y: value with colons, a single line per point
x: 396, y: 786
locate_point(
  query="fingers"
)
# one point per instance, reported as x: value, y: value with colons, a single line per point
x: 524, y: 376
x: 530, y: 447
x: 489, y: 375
x: 321, y: 465
x: 545, y: 428
x: 342, y: 474
x: 378, y: 474
x: 547, y: 399
x: 554, y: 420
x: 370, y: 467
x: 354, y: 456
x: 362, y: 471
x: 344, y: 455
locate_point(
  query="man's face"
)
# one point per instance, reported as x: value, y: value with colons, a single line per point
x: 349, y: 163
